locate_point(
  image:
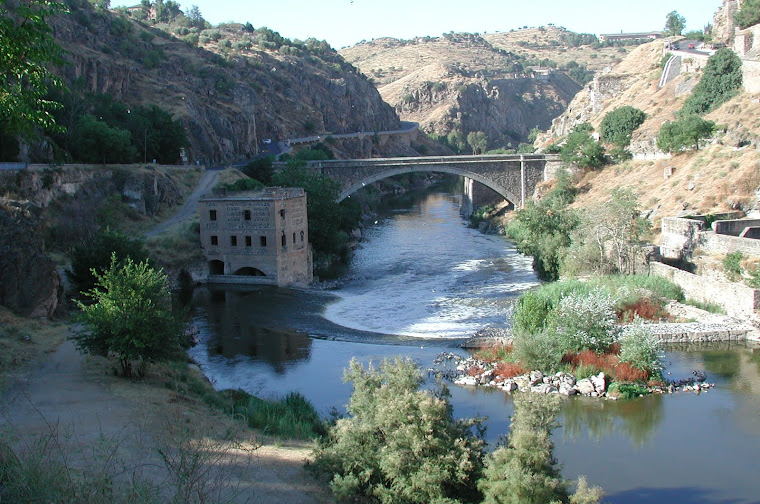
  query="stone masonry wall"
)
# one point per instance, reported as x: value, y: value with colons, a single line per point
x: 736, y: 299
x: 751, y: 76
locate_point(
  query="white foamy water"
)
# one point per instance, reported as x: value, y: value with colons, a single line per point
x: 425, y: 274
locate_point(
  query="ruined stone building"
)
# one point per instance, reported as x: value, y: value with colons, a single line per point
x: 256, y: 237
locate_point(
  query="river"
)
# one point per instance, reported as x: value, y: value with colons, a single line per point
x: 420, y: 283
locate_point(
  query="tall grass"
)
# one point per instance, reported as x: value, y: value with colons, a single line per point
x: 292, y: 417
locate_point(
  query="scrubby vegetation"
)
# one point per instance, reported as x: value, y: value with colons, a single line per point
x: 400, y: 444
x: 575, y: 325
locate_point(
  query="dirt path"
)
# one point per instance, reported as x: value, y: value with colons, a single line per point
x: 207, y: 181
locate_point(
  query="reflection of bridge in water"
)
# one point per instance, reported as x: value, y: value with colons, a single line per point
x: 513, y: 176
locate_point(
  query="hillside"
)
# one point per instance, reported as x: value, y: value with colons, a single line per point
x: 462, y: 82
x: 725, y: 175
x: 230, y: 92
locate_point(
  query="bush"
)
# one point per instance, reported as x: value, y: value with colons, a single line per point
x: 399, y: 444
x: 94, y: 256
x: 721, y: 80
x: 581, y: 149
x: 684, y: 133
x: 293, y: 417
x: 749, y: 14
x: 540, y: 351
x: 732, y: 265
x: 525, y: 470
x: 618, y: 125
x: 132, y: 316
x: 587, y: 321
x: 639, y: 348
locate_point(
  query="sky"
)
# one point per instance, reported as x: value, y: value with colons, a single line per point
x: 345, y: 22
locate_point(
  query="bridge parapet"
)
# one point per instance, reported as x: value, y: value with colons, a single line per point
x: 513, y: 176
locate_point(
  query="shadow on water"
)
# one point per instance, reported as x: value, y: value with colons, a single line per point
x: 637, y: 418
x: 241, y: 329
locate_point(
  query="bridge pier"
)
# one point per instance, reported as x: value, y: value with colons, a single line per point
x: 476, y: 195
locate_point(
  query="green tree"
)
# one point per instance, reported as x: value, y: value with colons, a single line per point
x: 721, y: 80
x: 542, y: 229
x: 749, y: 14
x: 618, y: 125
x: 684, y: 133
x: 327, y: 218
x: 94, y: 256
x: 27, y: 48
x: 581, y: 149
x: 131, y: 317
x: 674, y: 23
x: 260, y: 169
x: 399, y: 443
x: 94, y: 141
x: 478, y: 141
x: 608, y: 238
x: 525, y: 470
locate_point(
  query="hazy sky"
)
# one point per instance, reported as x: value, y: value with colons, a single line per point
x: 346, y: 22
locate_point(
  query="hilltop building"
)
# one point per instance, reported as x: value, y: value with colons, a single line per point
x: 256, y: 237
x: 611, y: 37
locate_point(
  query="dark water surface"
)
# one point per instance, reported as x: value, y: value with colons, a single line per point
x: 420, y: 283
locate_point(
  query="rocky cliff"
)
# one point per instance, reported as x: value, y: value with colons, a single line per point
x: 29, y: 282
x: 229, y: 100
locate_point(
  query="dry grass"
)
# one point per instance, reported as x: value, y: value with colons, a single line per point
x: 179, y: 246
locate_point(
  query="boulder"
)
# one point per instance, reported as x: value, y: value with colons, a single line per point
x: 585, y: 387
x: 599, y: 382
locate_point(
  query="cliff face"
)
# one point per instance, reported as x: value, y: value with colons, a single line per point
x: 29, y: 282
x: 461, y: 82
x: 723, y: 22
x: 228, y: 104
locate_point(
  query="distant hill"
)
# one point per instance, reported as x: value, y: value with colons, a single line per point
x: 230, y: 86
x: 503, y: 84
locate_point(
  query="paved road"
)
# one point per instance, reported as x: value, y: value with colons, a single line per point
x: 207, y: 181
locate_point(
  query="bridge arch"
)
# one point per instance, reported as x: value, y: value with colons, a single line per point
x: 249, y: 271
x: 454, y: 170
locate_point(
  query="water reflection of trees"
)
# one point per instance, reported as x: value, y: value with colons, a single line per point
x: 245, y: 324
x: 601, y: 418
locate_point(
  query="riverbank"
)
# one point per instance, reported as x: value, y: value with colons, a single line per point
x: 104, y: 427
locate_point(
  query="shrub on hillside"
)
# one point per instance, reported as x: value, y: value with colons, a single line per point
x: 721, y: 80
x: 581, y: 149
x: 618, y: 125
x: 749, y: 14
x: 399, y: 443
x: 684, y: 133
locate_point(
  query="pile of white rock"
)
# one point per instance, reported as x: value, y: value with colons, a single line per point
x: 536, y: 381
x: 474, y: 372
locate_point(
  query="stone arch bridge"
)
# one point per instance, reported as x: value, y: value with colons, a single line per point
x: 513, y: 176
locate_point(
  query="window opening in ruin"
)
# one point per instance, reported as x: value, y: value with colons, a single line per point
x: 301, y: 236
x: 283, y: 239
x: 282, y: 213
x: 212, y: 214
x: 263, y: 241
x: 294, y: 238
x: 233, y: 241
x: 247, y: 214
x: 214, y: 240
x: 248, y: 241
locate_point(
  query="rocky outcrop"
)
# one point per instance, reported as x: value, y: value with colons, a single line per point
x: 29, y: 282
x: 227, y: 104
x: 723, y: 22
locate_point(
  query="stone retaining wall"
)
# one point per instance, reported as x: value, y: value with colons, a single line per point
x: 738, y: 300
x: 694, y: 332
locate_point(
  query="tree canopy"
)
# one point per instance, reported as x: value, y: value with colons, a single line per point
x: 674, y: 23
x: 131, y: 317
x: 618, y: 125
x: 720, y: 81
x: 684, y: 133
x: 27, y: 48
x: 749, y: 14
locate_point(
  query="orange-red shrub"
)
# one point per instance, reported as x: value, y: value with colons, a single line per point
x: 624, y: 372
x: 475, y: 370
x: 509, y: 370
x: 494, y: 353
x: 645, y: 308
